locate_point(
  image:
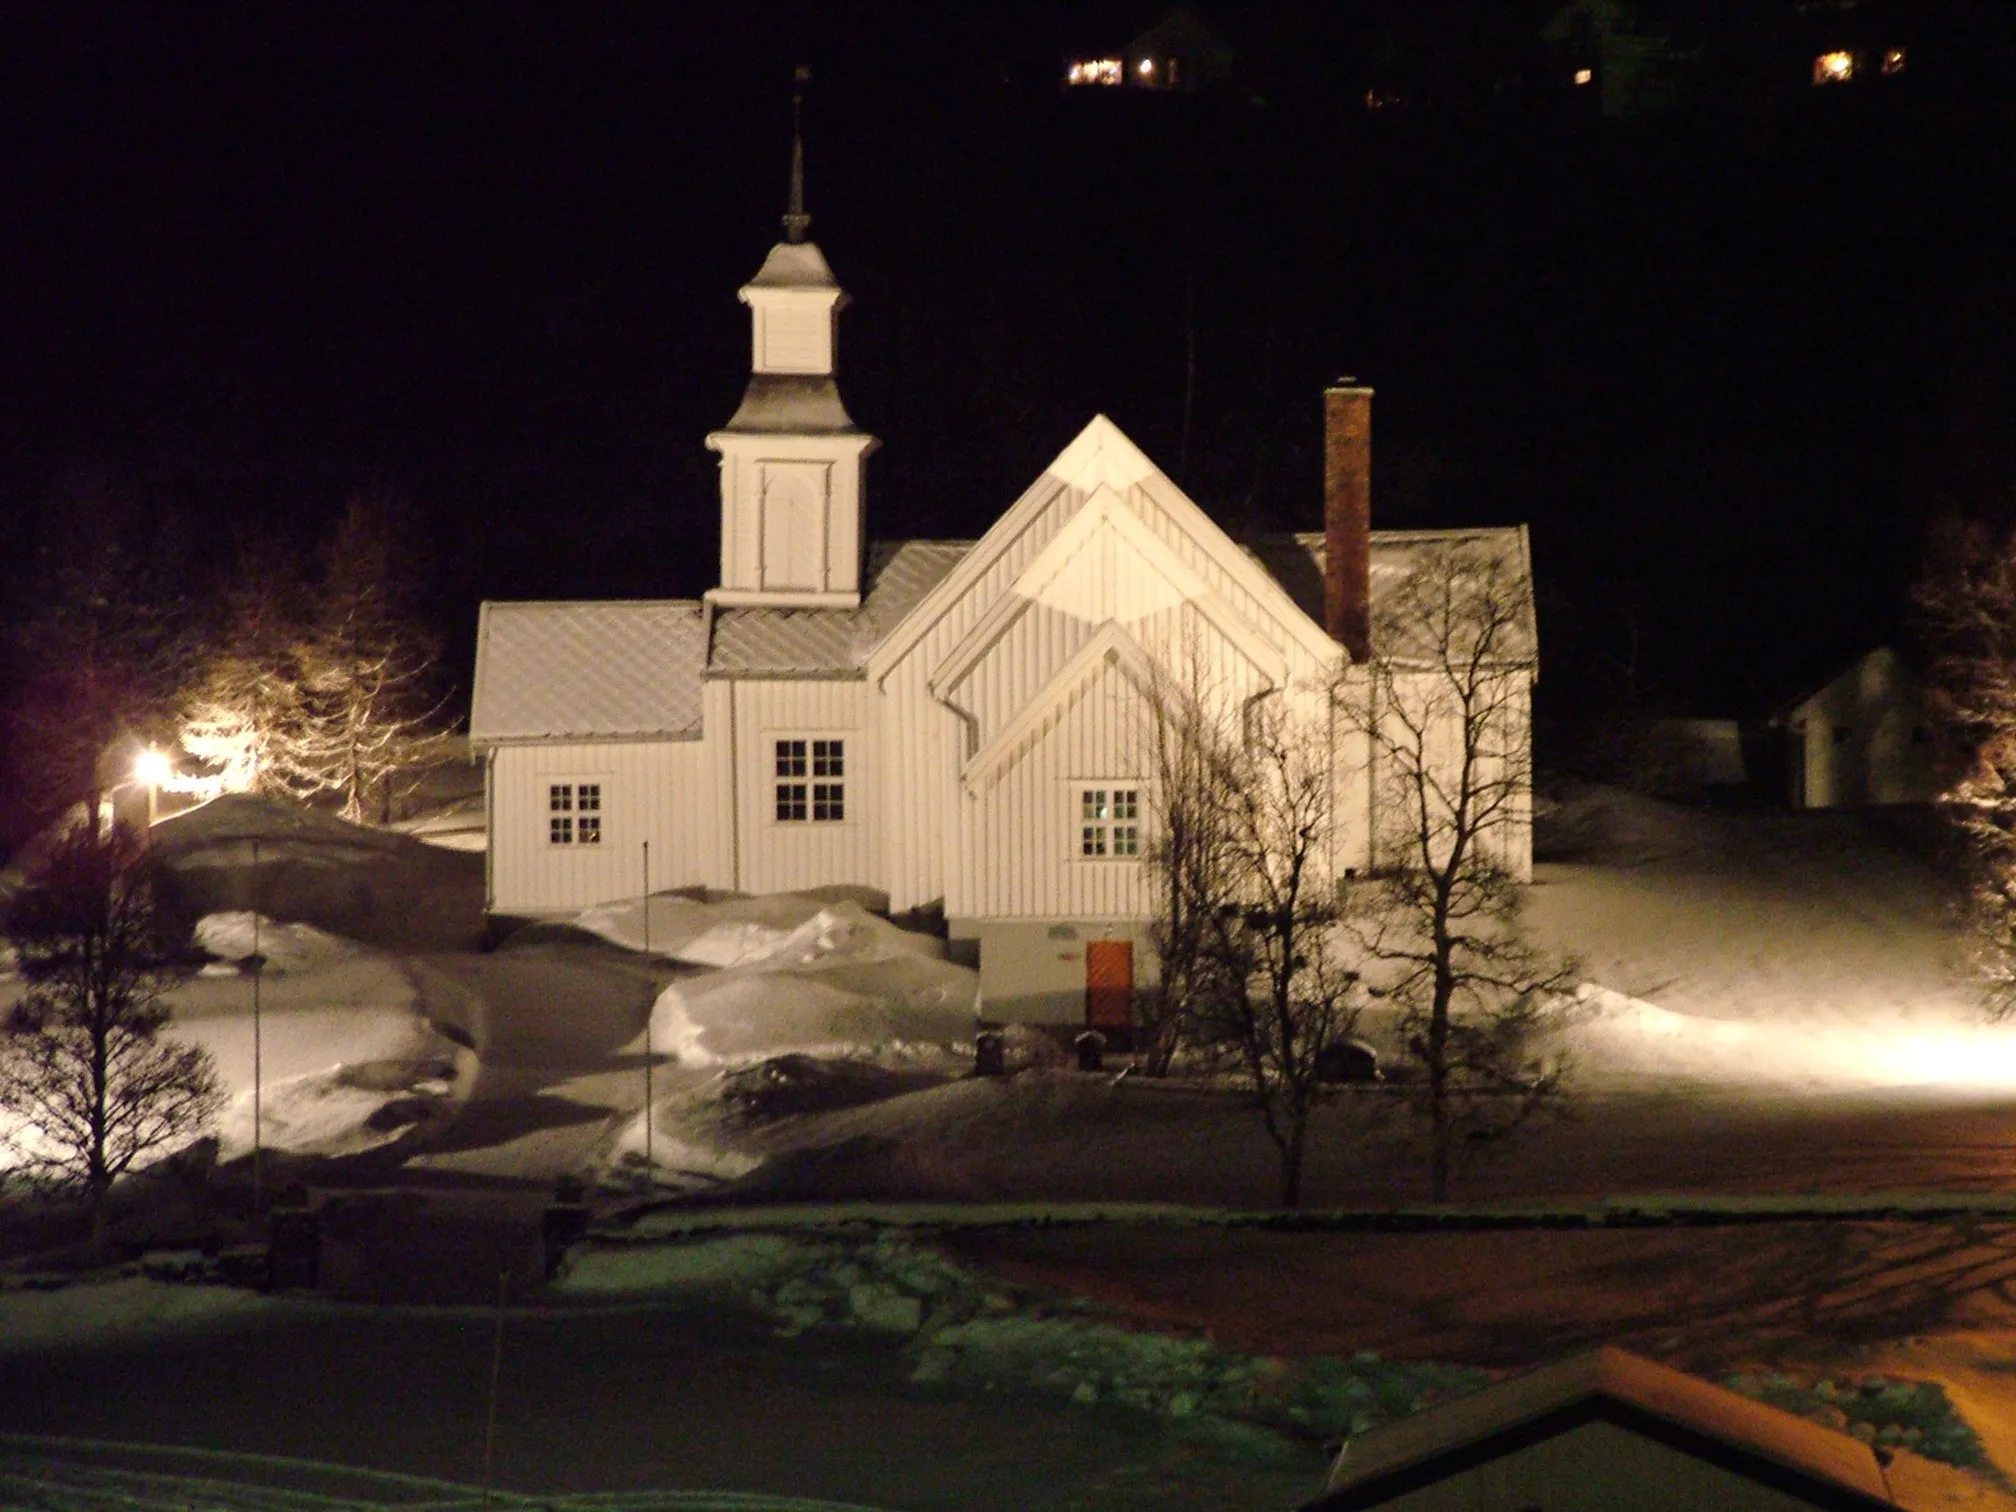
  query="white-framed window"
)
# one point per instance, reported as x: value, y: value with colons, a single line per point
x: 1109, y: 822
x: 810, y: 779
x: 573, y: 813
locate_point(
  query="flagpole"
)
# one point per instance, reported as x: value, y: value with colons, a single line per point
x: 258, y: 964
x: 650, y: 1012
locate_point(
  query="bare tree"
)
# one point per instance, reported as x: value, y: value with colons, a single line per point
x: 322, y: 691
x: 1442, y: 709
x: 1965, y: 604
x: 370, y: 661
x: 1246, y: 914
x: 244, y: 715
x: 88, y: 1082
x: 1192, y: 868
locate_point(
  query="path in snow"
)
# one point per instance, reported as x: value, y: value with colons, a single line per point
x: 553, y: 1026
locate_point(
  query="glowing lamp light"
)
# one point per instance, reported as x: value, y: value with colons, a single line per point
x: 1146, y: 68
x: 1834, y: 68
x: 152, y: 768
x: 1585, y: 75
x: 1893, y: 60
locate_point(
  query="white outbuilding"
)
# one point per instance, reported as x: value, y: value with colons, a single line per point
x: 958, y: 725
x: 1861, y: 738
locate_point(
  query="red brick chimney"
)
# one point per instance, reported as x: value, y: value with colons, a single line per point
x: 1347, y: 516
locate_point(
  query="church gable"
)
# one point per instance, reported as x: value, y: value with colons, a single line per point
x: 1112, y: 665
x: 1103, y: 470
x: 1104, y: 567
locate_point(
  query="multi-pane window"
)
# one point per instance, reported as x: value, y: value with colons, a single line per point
x: 811, y: 781
x: 574, y: 813
x: 1109, y: 822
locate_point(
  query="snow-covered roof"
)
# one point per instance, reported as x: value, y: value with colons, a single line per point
x: 759, y: 642
x: 1610, y: 1385
x: 1297, y: 563
x: 558, y: 671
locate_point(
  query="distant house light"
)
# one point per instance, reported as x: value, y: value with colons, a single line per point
x: 1094, y: 71
x: 1834, y: 68
x: 1585, y: 75
x: 1893, y: 60
x: 1146, y: 68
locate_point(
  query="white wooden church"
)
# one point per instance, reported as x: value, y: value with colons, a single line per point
x: 956, y: 724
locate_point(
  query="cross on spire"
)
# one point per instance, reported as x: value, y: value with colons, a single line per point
x: 795, y: 219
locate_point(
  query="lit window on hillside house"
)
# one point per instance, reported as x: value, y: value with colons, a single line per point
x: 1893, y: 60
x: 1109, y: 823
x: 1834, y: 68
x: 574, y: 813
x: 1094, y: 71
x: 811, y: 782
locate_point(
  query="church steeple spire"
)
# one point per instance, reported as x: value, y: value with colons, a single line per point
x: 796, y: 221
x: 791, y: 455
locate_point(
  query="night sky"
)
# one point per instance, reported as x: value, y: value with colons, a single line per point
x: 1727, y: 361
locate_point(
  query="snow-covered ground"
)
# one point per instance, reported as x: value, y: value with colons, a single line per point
x: 347, y: 1058
x: 802, y: 1045
x: 1721, y: 954
x: 1812, y: 951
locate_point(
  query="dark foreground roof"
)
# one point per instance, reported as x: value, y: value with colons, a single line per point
x: 1801, y: 1458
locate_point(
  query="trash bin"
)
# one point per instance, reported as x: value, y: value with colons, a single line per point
x: 294, y: 1242
x: 1091, y: 1050
x: 990, y: 1055
x: 564, y: 1224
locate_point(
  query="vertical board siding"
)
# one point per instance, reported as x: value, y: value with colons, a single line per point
x: 1008, y: 852
x: 1270, y: 617
x: 1025, y: 824
x: 651, y: 790
x: 925, y: 745
x: 783, y: 857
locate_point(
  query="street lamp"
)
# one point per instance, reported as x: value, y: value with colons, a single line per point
x: 152, y: 769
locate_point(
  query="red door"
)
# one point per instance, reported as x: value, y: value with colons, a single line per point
x: 1109, y: 984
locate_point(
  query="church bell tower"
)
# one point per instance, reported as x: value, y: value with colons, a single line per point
x: 791, y: 457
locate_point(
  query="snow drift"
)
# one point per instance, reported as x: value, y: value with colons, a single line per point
x: 841, y: 982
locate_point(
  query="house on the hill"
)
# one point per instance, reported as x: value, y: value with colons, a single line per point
x: 1602, y: 1430
x: 1183, y: 52
x: 956, y: 724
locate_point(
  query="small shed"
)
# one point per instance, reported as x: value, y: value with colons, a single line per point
x: 1860, y: 738
x: 1604, y: 1430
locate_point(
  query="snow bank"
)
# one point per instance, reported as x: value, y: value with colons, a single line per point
x: 235, y: 935
x: 841, y: 982
x: 361, y: 883
x: 724, y: 933
x: 1621, y: 1037
x: 334, y: 1112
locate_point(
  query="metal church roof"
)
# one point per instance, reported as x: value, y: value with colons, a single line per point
x: 1296, y: 562
x: 583, y: 670
x: 757, y: 642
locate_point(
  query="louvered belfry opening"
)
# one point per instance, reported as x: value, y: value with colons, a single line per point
x: 1347, y: 517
